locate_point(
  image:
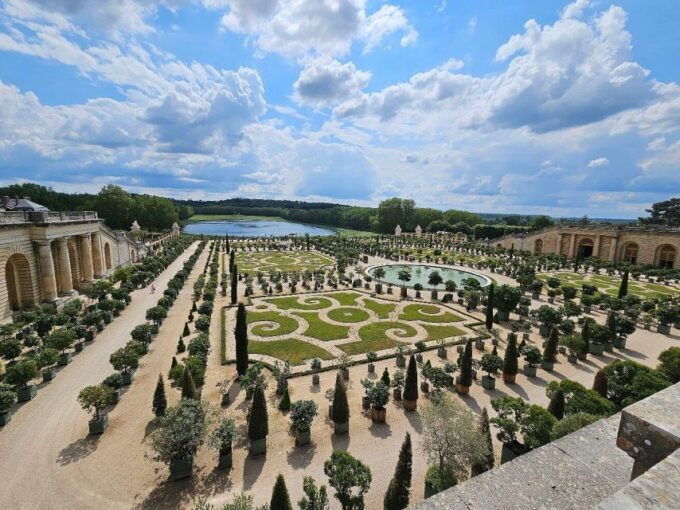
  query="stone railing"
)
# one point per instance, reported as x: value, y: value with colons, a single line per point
x: 20, y: 217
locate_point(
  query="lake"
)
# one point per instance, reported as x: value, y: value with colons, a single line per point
x: 254, y: 228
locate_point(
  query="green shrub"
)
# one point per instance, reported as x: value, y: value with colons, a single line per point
x: 628, y: 382
x: 572, y: 423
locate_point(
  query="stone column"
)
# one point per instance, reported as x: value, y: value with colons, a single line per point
x: 612, y: 248
x: 65, y: 275
x: 572, y: 245
x: 86, y: 257
x: 48, y: 280
x: 97, y: 260
x: 598, y: 242
x: 558, y: 248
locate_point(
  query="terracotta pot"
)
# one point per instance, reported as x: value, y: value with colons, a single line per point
x: 509, y: 378
x: 378, y: 415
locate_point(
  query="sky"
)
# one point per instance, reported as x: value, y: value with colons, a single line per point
x: 531, y: 107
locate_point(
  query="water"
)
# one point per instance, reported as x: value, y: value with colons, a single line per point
x: 421, y: 272
x: 254, y: 228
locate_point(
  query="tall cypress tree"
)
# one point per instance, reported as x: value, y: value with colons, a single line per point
x: 234, y: 285
x: 600, y: 383
x: 188, y: 385
x: 556, y: 405
x: 510, y: 365
x: 241, y: 335
x: 258, y: 422
x: 160, y: 403
x: 280, y: 498
x: 399, y: 489
x: 411, y: 382
x: 611, y: 324
x: 465, y: 378
x: 489, y: 459
x: 585, y: 335
x: 226, y: 243
x: 186, y: 331
x: 623, y: 288
x: 550, y: 350
x: 232, y: 260
x: 489, y: 308
x: 340, y: 404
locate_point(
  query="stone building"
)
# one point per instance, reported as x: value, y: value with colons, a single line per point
x: 49, y: 256
x: 658, y: 247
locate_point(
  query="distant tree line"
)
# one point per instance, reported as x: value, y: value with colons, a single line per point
x: 116, y: 206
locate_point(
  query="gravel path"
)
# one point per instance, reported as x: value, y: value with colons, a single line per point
x: 48, y: 460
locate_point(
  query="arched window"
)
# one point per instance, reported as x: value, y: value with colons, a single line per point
x: 666, y: 257
x: 630, y: 253
x: 585, y: 248
x: 19, y: 282
x: 538, y: 246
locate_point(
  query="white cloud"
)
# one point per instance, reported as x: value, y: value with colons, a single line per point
x: 598, y: 162
x: 300, y: 28
x: 575, y: 9
x: 326, y: 81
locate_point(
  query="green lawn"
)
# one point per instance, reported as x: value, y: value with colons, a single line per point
x: 377, y: 330
x: 322, y: 330
x: 347, y: 314
x: 382, y: 310
x: 278, y: 261
x: 291, y: 350
x: 364, y: 346
x: 345, y: 298
x: 440, y: 332
x: 285, y: 324
x: 293, y: 303
x: 422, y: 312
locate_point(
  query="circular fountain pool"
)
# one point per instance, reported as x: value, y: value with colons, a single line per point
x: 420, y: 273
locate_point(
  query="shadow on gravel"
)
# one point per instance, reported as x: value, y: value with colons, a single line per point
x: 414, y: 419
x: 340, y: 441
x: 78, y: 450
x: 252, y: 469
x: 301, y: 456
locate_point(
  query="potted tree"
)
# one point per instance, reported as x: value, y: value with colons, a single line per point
x: 411, y: 386
x: 379, y: 274
x: 398, y: 381
x: 491, y: 364
x: 316, y: 365
x: 506, y: 299
x: 181, y: 432
x: 378, y: 395
x: 574, y: 344
x: 125, y: 360
x: 550, y: 351
x: 258, y: 423
x: 95, y: 399
x: 598, y: 337
x: 371, y: 357
x: 510, y: 367
x: 61, y: 340
x: 46, y: 360
x: 549, y: 318
x: 7, y: 399
x: 435, y: 280
x: 418, y: 288
x: 340, y: 407
x: 19, y: 375
x: 302, y: 415
x: 221, y: 440
x: 532, y: 357
x: 464, y: 380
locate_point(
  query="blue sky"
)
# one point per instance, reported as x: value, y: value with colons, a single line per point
x: 565, y: 108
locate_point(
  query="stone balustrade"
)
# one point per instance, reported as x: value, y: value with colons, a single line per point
x: 42, y: 217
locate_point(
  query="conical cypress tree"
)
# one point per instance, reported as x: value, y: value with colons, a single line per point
x: 160, y: 403
x: 494, y: 351
x: 188, y: 386
x: 284, y: 404
x: 180, y: 345
x: 399, y: 489
x: 489, y: 460
x: 173, y: 364
x: 611, y: 324
x: 193, y: 307
x: 411, y: 383
x: 258, y: 422
x: 556, y: 405
x: 550, y: 351
x: 600, y: 383
x: 280, y: 498
x: 489, y: 308
x: 623, y: 288
x: 232, y: 261
x: 510, y: 365
x: 241, y: 335
x: 386, y: 377
x: 340, y: 404
x: 186, y: 331
x: 226, y: 243
x: 465, y: 378
x: 585, y: 335
x: 522, y: 345
x: 234, y: 286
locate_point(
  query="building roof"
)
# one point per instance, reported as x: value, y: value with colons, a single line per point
x: 20, y: 204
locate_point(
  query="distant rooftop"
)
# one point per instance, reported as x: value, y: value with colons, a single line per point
x: 20, y: 204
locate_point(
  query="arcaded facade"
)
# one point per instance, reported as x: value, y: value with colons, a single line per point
x: 49, y: 256
x: 643, y: 246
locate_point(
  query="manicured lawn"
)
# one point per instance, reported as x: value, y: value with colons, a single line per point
x: 278, y: 261
x: 322, y: 330
x: 382, y: 310
x: 345, y: 298
x: 347, y: 314
x: 293, y: 303
x: 422, y: 312
x: 439, y: 332
x: 364, y: 346
x: 285, y: 324
x: 377, y: 330
x: 289, y: 349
